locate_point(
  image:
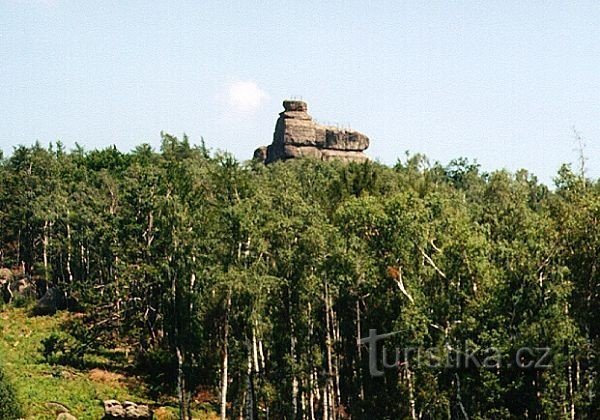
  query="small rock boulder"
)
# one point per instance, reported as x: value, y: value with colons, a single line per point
x: 346, y: 140
x: 114, y: 410
x: 53, y: 300
x: 260, y: 154
x: 136, y: 411
x: 6, y: 275
x: 295, y: 105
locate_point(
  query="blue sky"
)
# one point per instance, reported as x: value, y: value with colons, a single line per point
x: 501, y: 82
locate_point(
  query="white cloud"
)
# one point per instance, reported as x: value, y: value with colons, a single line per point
x: 245, y: 97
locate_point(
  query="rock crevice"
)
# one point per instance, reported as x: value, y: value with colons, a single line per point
x: 298, y: 136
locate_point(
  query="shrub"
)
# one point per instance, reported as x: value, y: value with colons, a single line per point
x: 63, y: 349
x: 160, y: 367
x: 20, y: 301
x: 9, y: 406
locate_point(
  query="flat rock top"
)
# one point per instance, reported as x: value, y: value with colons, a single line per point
x: 293, y: 105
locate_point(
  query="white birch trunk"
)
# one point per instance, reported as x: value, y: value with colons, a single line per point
x: 225, y: 367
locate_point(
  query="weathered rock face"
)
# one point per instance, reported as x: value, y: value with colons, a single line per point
x: 298, y: 136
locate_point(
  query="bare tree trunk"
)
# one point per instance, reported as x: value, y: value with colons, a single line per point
x: 311, y: 379
x: 303, y: 404
x: 19, y: 246
x: 45, y: 242
x: 295, y: 385
x: 326, y: 403
x: 225, y: 367
x: 459, y: 397
x: 262, y: 367
x: 261, y: 353
x: 181, y: 391
x: 577, y: 374
x: 336, y: 359
x: 293, y: 343
x: 255, y: 350
x: 329, y: 406
x: 249, y: 387
x: 358, y: 359
x: 87, y: 261
x: 256, y: 372
x: 242, y: 406
x: 571, y: 396
x: 187, y: 394
x: 570, y: 379
x: 69, y: 272
x: 411, y: 393
x: 117, y: 291
x: 313, y: 390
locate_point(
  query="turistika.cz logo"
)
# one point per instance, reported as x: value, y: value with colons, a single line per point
x: 467, y: 357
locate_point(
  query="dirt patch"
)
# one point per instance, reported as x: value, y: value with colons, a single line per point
x: 163, y: 413
x: 106, y: 377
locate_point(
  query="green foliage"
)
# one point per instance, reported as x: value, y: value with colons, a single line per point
x: 9, y: 406
x: 37, y: 383
x: 62, y: 348
x: 159, y: 367
x: 20, y: 301
x: 202, y: 264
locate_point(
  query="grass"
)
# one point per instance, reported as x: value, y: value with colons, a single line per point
x: 44, y: 389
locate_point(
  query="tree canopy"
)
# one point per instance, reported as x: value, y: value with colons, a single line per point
x: 256, y: 282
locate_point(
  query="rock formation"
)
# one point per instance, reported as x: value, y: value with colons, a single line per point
x: 297, y: 136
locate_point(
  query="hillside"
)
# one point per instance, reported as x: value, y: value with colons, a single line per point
x: 299, y: 289
x: 48, y: 389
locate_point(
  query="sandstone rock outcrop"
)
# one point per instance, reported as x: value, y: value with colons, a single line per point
x: 298, y: 136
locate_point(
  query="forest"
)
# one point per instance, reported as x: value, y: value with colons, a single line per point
x: 253, y: 285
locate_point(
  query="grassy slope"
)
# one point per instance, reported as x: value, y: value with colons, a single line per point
x: 39, y: 383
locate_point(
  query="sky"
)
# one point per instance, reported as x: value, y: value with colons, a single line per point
x: 504, y: 83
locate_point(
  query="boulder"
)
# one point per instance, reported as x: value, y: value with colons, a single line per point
x: 260, y: 154
x: 61, y: 411
x: 113, y: 410
x: 136, y: 411
x: 346, y: 140
x: 295, y: 105
x: 6, y: 275
x: 53, y: 300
